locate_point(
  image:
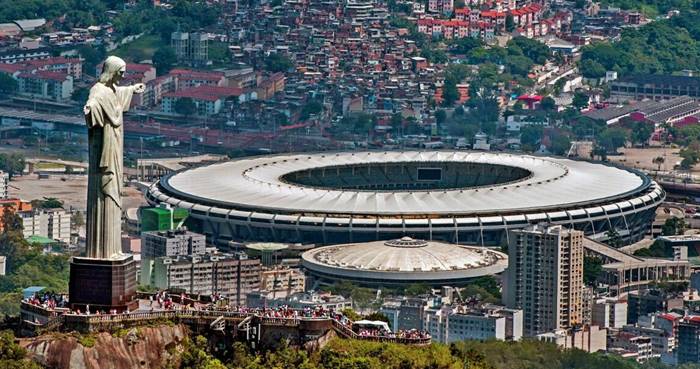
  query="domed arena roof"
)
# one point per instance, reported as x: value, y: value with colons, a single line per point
x: 404, y: 260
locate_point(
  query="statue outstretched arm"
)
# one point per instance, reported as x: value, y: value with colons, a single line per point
x: 139, y: 88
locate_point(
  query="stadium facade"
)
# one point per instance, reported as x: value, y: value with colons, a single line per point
x: 456, y: 197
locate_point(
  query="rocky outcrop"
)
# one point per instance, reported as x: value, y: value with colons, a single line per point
x: 145, y: 347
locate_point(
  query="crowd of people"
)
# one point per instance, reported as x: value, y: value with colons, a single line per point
x: 161, y: 300
x: 411, y: 334
x: 47, y: 300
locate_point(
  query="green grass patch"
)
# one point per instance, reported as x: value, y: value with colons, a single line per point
x: 140, y: 49
x: 87, y: 340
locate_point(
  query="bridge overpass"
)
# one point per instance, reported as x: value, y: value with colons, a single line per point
x: 624, y: 272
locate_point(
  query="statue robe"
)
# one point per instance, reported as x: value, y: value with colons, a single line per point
x: 105, y: 169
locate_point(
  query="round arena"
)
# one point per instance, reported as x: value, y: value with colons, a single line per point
x: 452, y: 196
x: 401, y: 262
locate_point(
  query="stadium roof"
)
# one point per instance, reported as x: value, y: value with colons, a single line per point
x: 256, y: 183
x: 405, y: 256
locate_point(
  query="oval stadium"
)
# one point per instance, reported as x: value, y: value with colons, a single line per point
x: 452, y: 196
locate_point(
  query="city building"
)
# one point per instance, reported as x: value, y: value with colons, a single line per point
x: 368, y: 196
x: 406, y: 313
x: 609, y: 313
x: 654, y: 87
x: 662, y: 342
x: 208, y: 100
x: 545, y: 277
x: 171, y: 244
x: 267, y: 252
x: 451, y: 324
x: 311, y: 300
x: 586, y: 338
x: 54, y: 224
x: 632, y: 346
x: 281, y: 282
x: 54, y: 86
x: 162, y: 218
x: 4, y: 182
x: 192, y: 48
x: 688, y: 349
x: 3, y: 265
x: 650, y: 301
x: 231, y: 276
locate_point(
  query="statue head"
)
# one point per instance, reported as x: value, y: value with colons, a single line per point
x: 113, y: 70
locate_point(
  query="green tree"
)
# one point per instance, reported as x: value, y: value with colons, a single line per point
x: 12, y: 355
x: 185, y: 106
x: 278, y: 63
x: 77, y: 219
x: 530, y: 137
x: 592, y: 270
x: 164, y: 59
x: 165, y: 26
x: 196, y: 356
x: 12, y: 164
x: 560, y: 143
x: 641, y: 132
x: 440, y: 116
x: 310, y: 108
x: 674, y: 226
x: 8, y: 85
x: 80, y: 95
x: 377, y: 316
x: 417, y: 289
x: 580, y: 100
x: 450, y: 94
x: 47, y: 203
x: 11, y: 222
x: 548, y: 103
x: 510, y: 24
x: 612, y: 139
x: 92, y: 57
x: 591, y: 69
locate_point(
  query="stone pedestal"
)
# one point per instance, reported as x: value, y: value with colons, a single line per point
x: 104, y: 284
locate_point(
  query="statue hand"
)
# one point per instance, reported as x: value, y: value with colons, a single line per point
x: 86, y: 109
x: 139, y: 88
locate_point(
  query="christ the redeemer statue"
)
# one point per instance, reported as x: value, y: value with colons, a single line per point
x: 104, y: 116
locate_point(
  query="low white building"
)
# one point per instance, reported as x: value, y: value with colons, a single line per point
x: 587, y: 338
x: 516, y: 122
x: 609, y: 313
x: 449, y: 324
x: 50, y: 223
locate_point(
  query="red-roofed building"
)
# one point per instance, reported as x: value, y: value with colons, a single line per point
x: 54, y: 86
x: 208, y: 99
x: 268, y: 87
x: 187, y: 78
x: 70, y: 66
x: 462, y: 14
x: 441, y: 6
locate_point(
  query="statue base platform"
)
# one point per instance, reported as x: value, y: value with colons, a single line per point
x: 103, y: 284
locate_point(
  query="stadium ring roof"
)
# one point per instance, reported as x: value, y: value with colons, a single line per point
x: 456, y: 196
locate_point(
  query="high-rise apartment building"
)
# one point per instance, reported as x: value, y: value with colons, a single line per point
x: 171, y: 244
x: 192, y: 48
x: 4, y: 183
x: 545, y: 277
x: 688, y: 349
x: 50, y: 223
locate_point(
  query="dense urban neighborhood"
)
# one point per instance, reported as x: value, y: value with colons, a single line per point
x: 350, y: 184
